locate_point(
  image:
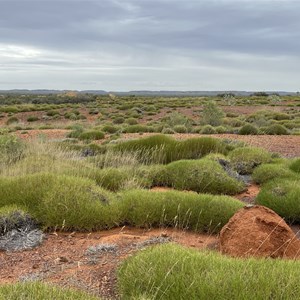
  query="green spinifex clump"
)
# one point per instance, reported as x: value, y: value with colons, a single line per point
x: 282, y: 196
x: 185, y: 210
x: 171, y: 272
x: 202, y: 176
x: 41, y: 291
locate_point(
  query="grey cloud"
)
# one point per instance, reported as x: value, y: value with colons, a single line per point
x: 163, y: 43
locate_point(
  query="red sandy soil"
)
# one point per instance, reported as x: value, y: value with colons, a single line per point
x: 62, y: 258
x: 40, y: 133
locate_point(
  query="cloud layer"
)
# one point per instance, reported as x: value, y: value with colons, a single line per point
x: 150, y: 44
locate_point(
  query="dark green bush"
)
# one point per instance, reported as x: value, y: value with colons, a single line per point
x: 32, y: 119
x: 109, y: 129
x: 276, y: 129
x: 135, y: 129
x: 91, y: 135
x: 248, y: 129
x: 282, y: 196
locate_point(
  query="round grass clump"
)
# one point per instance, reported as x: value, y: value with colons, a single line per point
x: 191, y: 211
x: 246, y: 159
x: 171, y: 272
x: 110, y: 129
x: 295, y: 165
x: 208, y: 129
x: 276, y: 129
x: 267, y: 172
x: 180, y: 129
x: 91, y: 135
x: 202, y: 176
x: 41, y: 291
x: 282, y: 196
x: 248, y: 129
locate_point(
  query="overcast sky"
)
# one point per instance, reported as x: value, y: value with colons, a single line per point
x: 150, y: 44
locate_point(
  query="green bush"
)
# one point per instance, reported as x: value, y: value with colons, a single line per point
x: 171, y: 271
x: 208, y: 129
x: 109, y: 129
x: 212, y: 114
x: 32, y: 119
x: 118, y: 120
x: 167, y: 130
x: 135, y: 129
x: 295, y: 165
x: 12, y: 120
x: 202, y: 176
x: 92, y: 135
x: 180, y: 129
x: 246, y: 159
x: 276, y: 129
x: 267, y: 172
x: 248, y: 129
x: 201, y: 213
x: 40, y: 291
x: 282, y: 196
x: 132, y: 121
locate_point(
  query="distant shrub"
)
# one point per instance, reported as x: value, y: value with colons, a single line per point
x: 32, y: 119
x: 135, y: 129
x: 246, y: 159
x: 118, y: 120
x: 212, y: 114
x: 180, y: 129
x: 202, y: 176
x: 282, y: 196
x: 91, y: 135
x: 208, y: 129
x: 109, y: 129
x: 267, y: 172
x: 248, y: 129
x: 167, y: 130
x: 276, y: 129
x: 221, y: 129
x: 12, y: 120
x: 131, y: 121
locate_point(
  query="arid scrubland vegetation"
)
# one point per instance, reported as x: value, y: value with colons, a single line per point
x: 86, y: 163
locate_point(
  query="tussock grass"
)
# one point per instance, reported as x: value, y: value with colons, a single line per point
x: 192, y: 211
x: 267, y: 172
x: 173, y: 272
x: 202, y: 176
x: 246, y: 159
x: 40, y: 291
x: 282, y: 196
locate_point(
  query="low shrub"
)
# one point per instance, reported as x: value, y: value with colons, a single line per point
x: 267, y: 172
x: 11, y: 149
x: 171, y: 271
x: 32, y: 119
x: 92, y: 135
x: 41, y: 291
x: 131, y: 121
x: 167, y: 130
x: 208, y: 129
x: 276, y: 129
x: 248, y: 129
x: 135, y: 129
x: 201, y: 213
x: 202, y: 176
x: 109, y: 129
x: 12, y: 120
x: 282, y: 196
x: 246, y: 159
x: 295, y: 165
x: 180, y: 129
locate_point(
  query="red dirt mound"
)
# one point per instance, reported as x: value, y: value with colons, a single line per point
x: 258, y: 231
